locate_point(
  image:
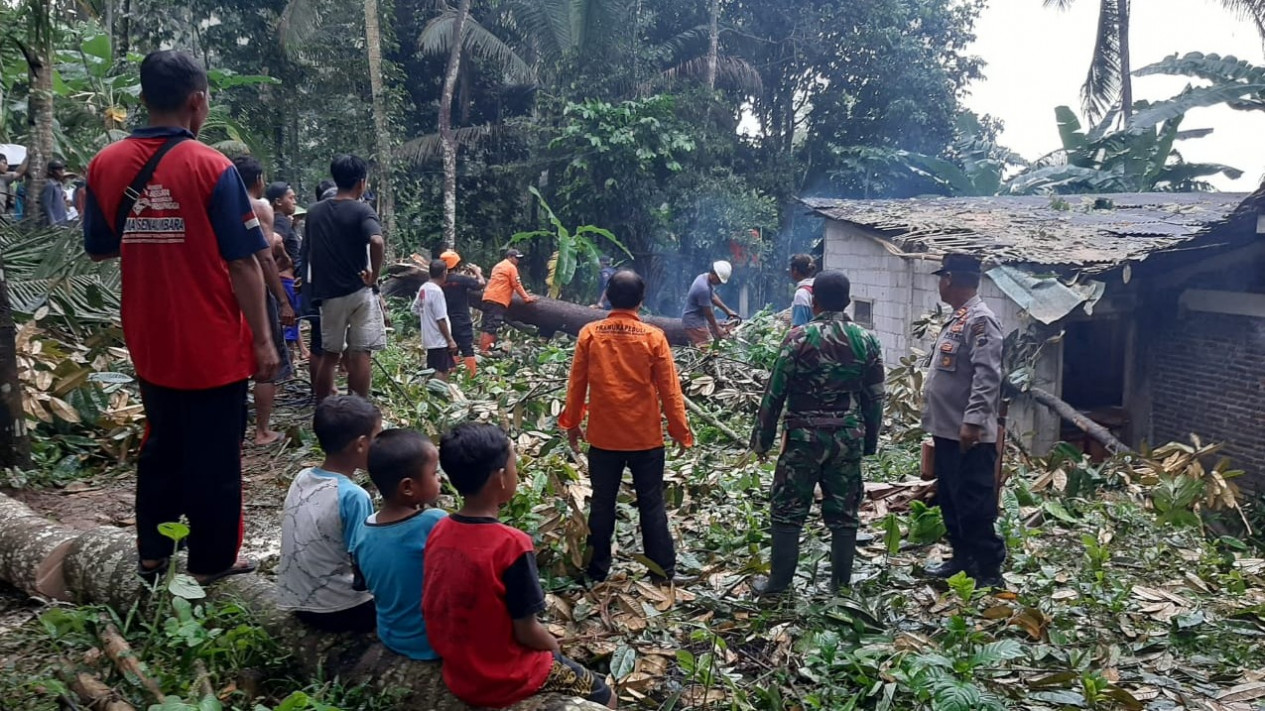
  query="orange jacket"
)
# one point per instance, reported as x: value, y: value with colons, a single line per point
x: 625, y: 369
x: 503, y: 284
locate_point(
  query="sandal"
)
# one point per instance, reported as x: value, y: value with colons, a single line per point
x: 241, y: 567
x: 151, y: 575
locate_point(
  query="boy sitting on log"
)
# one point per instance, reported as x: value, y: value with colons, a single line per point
x: 482, y: 593
x: 392, y: 544
x: 324, y: 511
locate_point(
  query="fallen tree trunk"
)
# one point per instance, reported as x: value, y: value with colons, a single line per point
x: 1088, y: 426
x: 549, y: 316
x: 99, y: 566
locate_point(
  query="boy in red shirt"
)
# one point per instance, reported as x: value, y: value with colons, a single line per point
x: 481, y: 591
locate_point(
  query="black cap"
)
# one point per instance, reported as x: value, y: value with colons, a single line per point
x: 56, y: 165
x: 958, y: 264
x: 277, y: 190
x: 514, y: 253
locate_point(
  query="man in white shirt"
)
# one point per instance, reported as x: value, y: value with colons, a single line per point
x: 432, y: 307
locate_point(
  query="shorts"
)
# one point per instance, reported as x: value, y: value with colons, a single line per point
x: 353, y: 323
x: 314, y: 336
x: 361, y: 619
x: 568, y: 677
x: 439, y: 359
x: 493, y: 316
x: 284, y: 371
x: 699, y: 336
x: 292, y: 332
x: 463, y: 334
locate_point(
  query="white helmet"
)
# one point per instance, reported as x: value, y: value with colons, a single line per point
x: 723, y: 270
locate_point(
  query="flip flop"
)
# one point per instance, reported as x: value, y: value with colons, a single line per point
x: 151, y: 575
x: 242, y: 567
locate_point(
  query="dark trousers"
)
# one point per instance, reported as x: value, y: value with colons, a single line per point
x: 191, y: 464
x: 606, y: 469
x: 965, y: 490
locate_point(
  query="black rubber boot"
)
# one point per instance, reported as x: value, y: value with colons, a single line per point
x: 988, y: 576
x: 785, y: 557
x: 948, y: 568
x: 843, y: 547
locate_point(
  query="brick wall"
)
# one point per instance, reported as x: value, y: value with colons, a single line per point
x: 1208, y: 377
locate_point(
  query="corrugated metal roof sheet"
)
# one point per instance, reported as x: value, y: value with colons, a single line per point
x: 1039, y: 230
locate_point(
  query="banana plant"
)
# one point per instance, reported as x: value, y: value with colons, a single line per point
x: 574, y: 247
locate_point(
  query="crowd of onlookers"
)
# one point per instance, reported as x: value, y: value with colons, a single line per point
x: 61, y: 201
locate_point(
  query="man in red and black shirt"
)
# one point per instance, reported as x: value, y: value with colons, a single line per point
x: 194, y: 315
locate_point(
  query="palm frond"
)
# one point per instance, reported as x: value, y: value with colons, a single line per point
x: 547, y: 23
x: 1253, y: 10
x: 436, y: 39
x: 429, y: 147
x: 731, y: 72
x: 47, y: 267
x: 1101, y: 90
x: 300, y: 19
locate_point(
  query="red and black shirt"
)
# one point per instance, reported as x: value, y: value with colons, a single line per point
x: 480, y: 576
x: 181, y: 319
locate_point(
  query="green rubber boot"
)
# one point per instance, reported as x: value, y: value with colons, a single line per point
x: 843, y: 547
x: 785, y: 557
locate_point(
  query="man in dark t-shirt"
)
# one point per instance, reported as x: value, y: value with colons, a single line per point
x: 457, y: 290
x: 343, y: 256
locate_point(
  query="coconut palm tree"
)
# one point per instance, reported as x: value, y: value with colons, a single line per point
x: 1108, y: 84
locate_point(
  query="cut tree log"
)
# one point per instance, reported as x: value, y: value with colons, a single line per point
x: 549, y: 316
x: 1088, y: 426
x: 99, y: 566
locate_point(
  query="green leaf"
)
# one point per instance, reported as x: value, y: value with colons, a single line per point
x: 891, y: 533
x: 685, y: 659
x: 186, y: 587
x: 174, y: 530
x: 1057, y: 510
x: 954, y: 695
x: 623, y: 661
x: 963, y: 586
x: 98, y: 46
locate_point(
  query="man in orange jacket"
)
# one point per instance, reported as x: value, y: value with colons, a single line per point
x: 498, y: 295
x: 624, y: 368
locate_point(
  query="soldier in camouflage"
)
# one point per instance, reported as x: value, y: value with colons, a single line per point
x: 829, y: 377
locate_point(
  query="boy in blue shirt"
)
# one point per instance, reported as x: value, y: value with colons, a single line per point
x: 324, y: 511
x: 389, y: 552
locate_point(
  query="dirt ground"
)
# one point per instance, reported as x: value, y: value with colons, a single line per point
x: 108, y: 500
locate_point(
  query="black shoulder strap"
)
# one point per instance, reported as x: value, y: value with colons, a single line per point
x: 133, y: 191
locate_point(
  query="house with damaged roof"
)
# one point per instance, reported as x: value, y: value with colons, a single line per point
x: 1151, y: 306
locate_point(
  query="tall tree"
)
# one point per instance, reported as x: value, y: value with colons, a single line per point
x: 1109, y: 82
x: 37, y: 48
x: 713, y: 41
x: 381, y: 123
x: 446, y: 133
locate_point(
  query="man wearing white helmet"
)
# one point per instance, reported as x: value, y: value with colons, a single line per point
x: 699, y: 318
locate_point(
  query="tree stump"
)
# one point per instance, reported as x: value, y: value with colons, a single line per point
x: 99, y: 566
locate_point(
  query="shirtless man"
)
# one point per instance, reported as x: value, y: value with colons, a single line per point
x: 280, y: 312
x: 281, y: 196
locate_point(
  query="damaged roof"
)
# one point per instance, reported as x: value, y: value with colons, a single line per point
x: 1089, y: 233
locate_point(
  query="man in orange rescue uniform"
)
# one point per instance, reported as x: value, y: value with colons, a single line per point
x: 625, y: 369
x: 497, y: 296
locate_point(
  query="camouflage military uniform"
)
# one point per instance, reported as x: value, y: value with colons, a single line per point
x: 829, y: 377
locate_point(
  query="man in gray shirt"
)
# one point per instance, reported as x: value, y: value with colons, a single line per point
x: 962, y: 396
x: 698, y: 318
x: 53, y: 199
